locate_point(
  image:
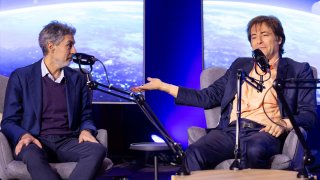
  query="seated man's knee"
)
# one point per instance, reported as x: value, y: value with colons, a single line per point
x: 255, y: 151
x: 31, y: 153
x: 97, y: 150
x: 101, y: 150
x: 256, y: 157
x: 261, y: 150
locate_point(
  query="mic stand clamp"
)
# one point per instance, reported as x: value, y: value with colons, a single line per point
x: 241, y: 76
x: 308, y: 158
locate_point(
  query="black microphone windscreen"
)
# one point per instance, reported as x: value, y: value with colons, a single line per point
x: 83, y: 59
x: 261, y: 60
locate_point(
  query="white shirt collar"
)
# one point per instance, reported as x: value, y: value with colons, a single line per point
x: 45, y: 71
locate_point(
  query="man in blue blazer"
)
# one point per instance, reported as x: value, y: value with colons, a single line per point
x: 263, y: 120
x: 47, y: 112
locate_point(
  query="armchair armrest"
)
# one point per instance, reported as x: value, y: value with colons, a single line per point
x: 5, y: 155
x: 102, y: 137
x: 195, y: 133
x: 293, y: 149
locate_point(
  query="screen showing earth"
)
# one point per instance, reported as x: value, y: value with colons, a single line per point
x: 110, y: 30
x: 225, y: 38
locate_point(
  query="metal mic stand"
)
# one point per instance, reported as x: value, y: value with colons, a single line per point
x: 140, y: 101
x: 279, y: 86
x: 241, y: 76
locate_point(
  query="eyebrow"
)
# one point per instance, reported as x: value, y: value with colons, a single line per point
x: 263, y: 32
x: 71, y: 42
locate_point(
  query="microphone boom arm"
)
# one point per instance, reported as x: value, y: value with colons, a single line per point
x: 252, y: 82
x: 279, y: 85
x: 140, y: 101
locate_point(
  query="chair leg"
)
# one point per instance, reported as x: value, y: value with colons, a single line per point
x: 155, y: 167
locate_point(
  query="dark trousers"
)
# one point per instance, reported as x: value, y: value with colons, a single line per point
x: 62, y: 149
x: 218, y: 145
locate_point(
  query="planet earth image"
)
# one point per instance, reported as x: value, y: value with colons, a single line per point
x: 225, y: 37
x: 112, y: 31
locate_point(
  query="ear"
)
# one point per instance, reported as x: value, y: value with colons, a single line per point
x: 50, y: 47
x: 279, y: 40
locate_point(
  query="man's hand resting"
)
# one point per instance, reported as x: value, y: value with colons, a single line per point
x: 85, y: 135
x: 25, y: 140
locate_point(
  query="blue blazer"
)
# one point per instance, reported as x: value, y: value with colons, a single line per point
x: 23, y: 102
x: 302, y: 102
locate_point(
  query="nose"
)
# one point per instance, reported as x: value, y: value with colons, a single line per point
x: 259, y: 39
x: 73, y: 50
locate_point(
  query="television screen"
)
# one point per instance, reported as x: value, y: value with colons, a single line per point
x: 225, y: 22
x: 110, y: 30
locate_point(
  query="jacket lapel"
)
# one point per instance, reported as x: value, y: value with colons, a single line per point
x: 282, y: 73
x: 35, y: 86
x: 282, y: 70
x: 70, y: 93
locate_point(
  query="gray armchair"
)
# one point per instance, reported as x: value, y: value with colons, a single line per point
x: 12, y: 169
x: 292, y: 152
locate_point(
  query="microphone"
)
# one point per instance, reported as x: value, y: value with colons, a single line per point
x: 261, y: 60
x: 83, y: 59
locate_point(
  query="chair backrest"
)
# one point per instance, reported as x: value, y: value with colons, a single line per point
x: 3, y: 87
x: 207, y: 77
x: 315, y: 72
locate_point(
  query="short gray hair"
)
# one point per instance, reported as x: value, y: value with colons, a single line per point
x: 54, y: 32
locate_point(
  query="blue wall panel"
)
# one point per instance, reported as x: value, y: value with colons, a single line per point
x: 173, y: 53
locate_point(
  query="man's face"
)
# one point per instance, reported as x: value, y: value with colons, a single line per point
x: 61, y: 54
x: 263, y: 38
